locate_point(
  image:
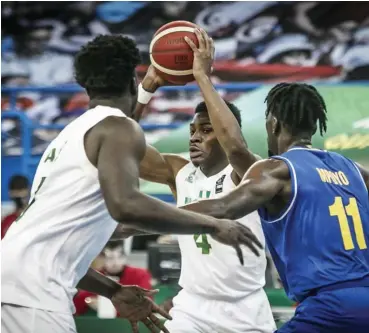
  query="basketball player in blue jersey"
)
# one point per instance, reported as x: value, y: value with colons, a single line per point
x: 314, y: 208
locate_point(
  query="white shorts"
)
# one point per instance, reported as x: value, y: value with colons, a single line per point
x: 19, y: 319
x: 195, y: 314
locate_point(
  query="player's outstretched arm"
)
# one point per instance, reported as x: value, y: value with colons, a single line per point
x: 116, y: 147
x: 225, y: 125
x: 265, y: 180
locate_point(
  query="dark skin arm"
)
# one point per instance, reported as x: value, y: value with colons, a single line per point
x: 225, y: 125
x: 161, y: 168
x: 118, y: 176
x: 157, y: 167
x: 267, y: 184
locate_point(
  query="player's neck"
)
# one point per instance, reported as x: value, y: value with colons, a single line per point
x: 118, y: 103
x: 295, y: 141
x: 211, y: 169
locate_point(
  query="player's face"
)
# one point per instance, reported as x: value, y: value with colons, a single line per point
x: 271, y: 125
x: 202, y: 139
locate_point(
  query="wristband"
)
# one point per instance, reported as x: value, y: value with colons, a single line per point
x: 144, y: 96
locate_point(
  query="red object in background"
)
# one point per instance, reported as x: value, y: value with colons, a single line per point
x: 130, y: 276
x: 6, y: 222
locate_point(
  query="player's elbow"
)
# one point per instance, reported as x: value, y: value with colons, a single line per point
x: 124, y: 209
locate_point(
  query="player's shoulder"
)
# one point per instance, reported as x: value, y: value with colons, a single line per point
x: 272, y: 167
x: 118, y: 129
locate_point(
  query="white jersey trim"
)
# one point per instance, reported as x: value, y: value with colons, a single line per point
x: 295, y: 192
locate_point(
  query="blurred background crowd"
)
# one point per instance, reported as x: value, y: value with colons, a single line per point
x: 257, y: 43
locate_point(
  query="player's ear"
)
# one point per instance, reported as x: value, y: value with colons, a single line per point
x: 276, y: 126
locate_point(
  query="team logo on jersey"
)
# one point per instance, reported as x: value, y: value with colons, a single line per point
x: 190, y: 177
x: 219, y: 185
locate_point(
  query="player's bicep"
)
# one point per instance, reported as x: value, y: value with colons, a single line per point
x: 121, y: 151
x: 259, y: 185
x: 155, y: 168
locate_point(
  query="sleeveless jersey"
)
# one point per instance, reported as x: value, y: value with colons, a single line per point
x: 51, y: 246
x: 322, y: 237
x: 210, y: 268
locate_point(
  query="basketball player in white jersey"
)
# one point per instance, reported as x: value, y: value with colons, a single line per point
x: 86, y: 183
x: 218, y: 295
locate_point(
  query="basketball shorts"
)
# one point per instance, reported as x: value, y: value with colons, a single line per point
x: 194, y: 314
x: 19, y: 319
x: 336, y: 311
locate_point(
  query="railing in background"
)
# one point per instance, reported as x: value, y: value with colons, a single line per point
x: 28, y: 162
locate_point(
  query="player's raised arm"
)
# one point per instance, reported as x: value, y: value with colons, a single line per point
x: 226, y: 127
x: 263, y: 182
x: 156, y: 167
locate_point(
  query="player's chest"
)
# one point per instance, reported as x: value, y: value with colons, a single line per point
x: 204, y: 189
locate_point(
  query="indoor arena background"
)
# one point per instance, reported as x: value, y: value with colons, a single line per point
x: 257, y: 44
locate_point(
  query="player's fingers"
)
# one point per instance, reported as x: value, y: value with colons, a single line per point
x: 201, y: 40
x: 149, y: 325
x: 134, y: 326
x: 239, y: 253
x: 161, y: 311
x: 191, y: 44
x: 149, y: 293
x: 247, y: 232
x: 246, y: 241
x: 212, y: 48
x: 158, y: 323
x: 206, y: 39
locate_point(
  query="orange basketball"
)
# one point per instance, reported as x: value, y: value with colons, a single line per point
x: 171, y: 56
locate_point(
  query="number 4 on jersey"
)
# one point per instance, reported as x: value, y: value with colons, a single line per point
x: 204, y: 245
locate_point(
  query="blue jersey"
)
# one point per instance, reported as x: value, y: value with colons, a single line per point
x: 322, y: 237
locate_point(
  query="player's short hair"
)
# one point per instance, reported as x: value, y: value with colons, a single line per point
x: 106, y: 65
x: 18, y: 182
x: 299, y: 106
x: 201, y: 107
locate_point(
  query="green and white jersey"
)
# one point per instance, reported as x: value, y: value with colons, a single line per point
x: 65, y: 226
x: 210, y: 268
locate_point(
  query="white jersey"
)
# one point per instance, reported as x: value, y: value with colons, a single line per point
x: 210, y: 268
x: 50, y: 248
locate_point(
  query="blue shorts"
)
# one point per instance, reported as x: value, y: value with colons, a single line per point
x: 335, y: 311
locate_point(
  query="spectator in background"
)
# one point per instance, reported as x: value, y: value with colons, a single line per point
x: 112, y: 262
x: 32, y: 63
x: 19, y: 194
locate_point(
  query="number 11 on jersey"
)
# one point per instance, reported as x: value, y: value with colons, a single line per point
x: 352, y: 210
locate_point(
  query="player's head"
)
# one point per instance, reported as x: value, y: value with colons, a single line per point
x: 19, y: 190
x: 294, y: 113
x: 115, y: 258
x: 204, y: 146
x: 106, y: 68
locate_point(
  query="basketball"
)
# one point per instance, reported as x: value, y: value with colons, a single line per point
x: 171, y: 56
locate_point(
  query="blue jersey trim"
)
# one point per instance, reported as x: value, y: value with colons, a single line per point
x: 294, y: 189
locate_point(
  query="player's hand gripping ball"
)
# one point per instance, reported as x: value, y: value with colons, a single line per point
x: 171, y: 55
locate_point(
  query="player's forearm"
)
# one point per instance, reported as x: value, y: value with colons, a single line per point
x: 226, y: 127
x: 152, y: 215
x: 123, y: 232
x: 98, y: 283
x: 234, y: 205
